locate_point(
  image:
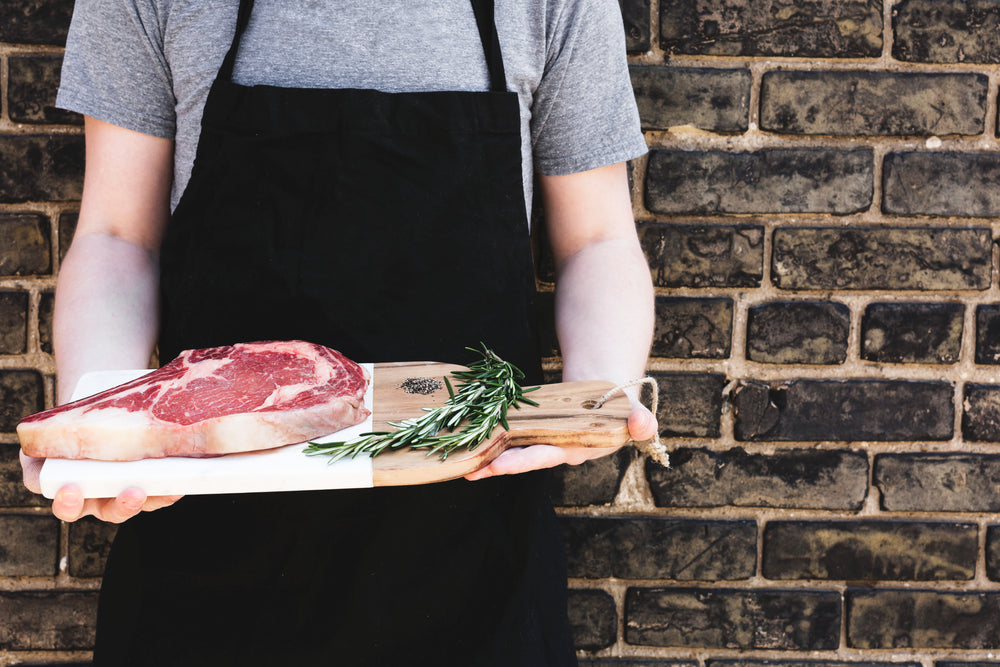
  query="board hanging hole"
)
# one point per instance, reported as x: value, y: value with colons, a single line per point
x: 590, y: 404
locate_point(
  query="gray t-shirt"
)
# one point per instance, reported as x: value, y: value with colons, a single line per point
x: 147, y: 65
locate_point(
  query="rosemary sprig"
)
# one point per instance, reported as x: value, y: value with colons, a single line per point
x: 489, y: 389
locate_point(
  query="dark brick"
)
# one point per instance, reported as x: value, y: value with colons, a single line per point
x: 787, y: 478
x: 947, y: 31
x: 733, y: 619
x: 13, y: 322
x: 67, y: 225
x: 35, y: 21
x: 46, y: 308
x: 993, y: 552
x: 31, y: 93
x: 594, y: 482
x: 657, y: 548
x: 704, y: 256
x: 896, y: 619
x: 593, y: 618
x: 914, y: 333
x: 870, y: 550
x: 817, y: 28
x: 770, y: 181
x: 981, y: 413
x: 693, y: 328
x: 41, y: 168
x: 988, y: 334
x: 847, y: 410
x: 858, y: 103
x: 25, y: 246
x: 940, y: 183
x: 21, y: 394
x: 709, y: 99
x: 47, y: 620
x: 881, y: 258
x: 970, y: 663
x: 12, y: 490
x: 89, y: 544
x: 28, y: 545
x: 548, y: 342
x: 690, y: 404
x: 636, y: 17
x: 938, y: 482
x: 798, y: 332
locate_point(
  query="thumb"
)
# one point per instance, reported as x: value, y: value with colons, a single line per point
x: 641, y: 424
x: 31, y: 467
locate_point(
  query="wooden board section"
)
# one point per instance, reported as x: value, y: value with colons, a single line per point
x: 562, y: 418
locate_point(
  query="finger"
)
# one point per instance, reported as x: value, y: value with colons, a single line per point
x: 641, y: 424
x: 68, y: 505
x: 159, y: 502
x: 118, y: 510
x: 522, y: 459
x: 31, y: 468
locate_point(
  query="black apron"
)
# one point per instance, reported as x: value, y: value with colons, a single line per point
x: 392, y: 227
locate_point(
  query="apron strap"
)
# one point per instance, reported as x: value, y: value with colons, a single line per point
x: 485, y: 21
x: 242, y: 19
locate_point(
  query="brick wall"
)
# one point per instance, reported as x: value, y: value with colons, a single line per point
x: 818, y: 209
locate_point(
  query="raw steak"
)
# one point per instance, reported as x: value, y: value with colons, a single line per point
x: 207, y: 402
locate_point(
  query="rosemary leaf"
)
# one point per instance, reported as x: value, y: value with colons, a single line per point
x: 488, y: 389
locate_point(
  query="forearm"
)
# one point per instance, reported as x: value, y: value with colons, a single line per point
x: 604, y: 312
x: 106, y: 308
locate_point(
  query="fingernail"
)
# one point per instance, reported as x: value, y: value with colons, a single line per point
x: 69, y: 498
x: 131, y: 502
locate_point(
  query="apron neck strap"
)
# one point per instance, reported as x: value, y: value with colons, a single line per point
x: 485, y: 21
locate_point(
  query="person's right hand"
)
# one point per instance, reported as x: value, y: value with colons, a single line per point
x: 70, y: 505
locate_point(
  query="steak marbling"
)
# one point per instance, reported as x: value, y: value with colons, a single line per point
x: 207, y: 402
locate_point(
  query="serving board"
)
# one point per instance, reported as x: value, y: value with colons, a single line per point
x: 398, y: 391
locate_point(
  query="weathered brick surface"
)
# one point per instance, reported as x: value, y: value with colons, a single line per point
x: 593, y: 618
x: 818, y: 28
x: 981, y: 413
x: 862, y: 103
x: 941, y: 183
x: 733, y: 618
x: 938, y: 482
x: 805, y: 663
x: 658, y: 548
x: 635, y: 15
x: 898, y: 619
x: 635, y: 662
x: 915, y: 333
x: 21, y: 393
x: 870, y: 550
x: 693, y: 328
x: 690, y: 404
x: 31, y: 93
x: 704, y: 256
x: 952, y: 31
x: 12, y: 491
x: 67, y: 225
x: 793, y: 479
x: 993, y: 552
x: 709, y: 99
x: 47, y: 620
x: 798, y: 332
x: 35, y: 21
x: 844, y: 410
x: 89, y: 544
x: 768, y: 181
x: 988, y: 334
x: 13, y: 322
x: 595, y: 482
x: 25, y: 244
x: 28, y: 545
x: 46, y: 306
x: 882, y: 258
x: 40, y: 167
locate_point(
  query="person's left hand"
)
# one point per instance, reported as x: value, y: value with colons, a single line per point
x: 641, y: 426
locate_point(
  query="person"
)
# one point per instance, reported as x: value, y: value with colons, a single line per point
x: 359, y: 175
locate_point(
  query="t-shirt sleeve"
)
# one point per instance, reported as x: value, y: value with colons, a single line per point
x: 584, y: 114
x: 114, y: 69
